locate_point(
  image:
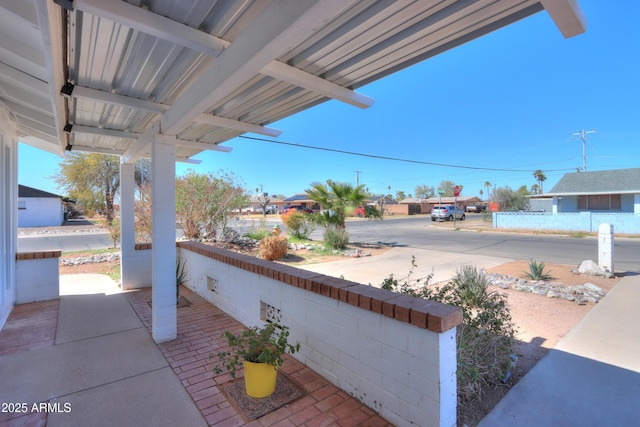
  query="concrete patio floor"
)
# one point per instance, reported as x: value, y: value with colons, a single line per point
x: 91, y: 358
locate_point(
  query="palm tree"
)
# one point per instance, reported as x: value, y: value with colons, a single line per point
x: 540, y: 178
x: 339, y: 197
x: 488, y: 185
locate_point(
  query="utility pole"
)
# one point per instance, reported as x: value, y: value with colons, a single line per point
x: 358, y: 177
x: 583, y: 136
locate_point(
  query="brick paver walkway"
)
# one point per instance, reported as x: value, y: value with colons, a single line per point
x: 200, y: 329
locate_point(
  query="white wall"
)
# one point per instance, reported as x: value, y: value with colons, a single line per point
x: 38, y: 279
x: 405, y: 373
x: 8, y: 215
x: 40, y: 212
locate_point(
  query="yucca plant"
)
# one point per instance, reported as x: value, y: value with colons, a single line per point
x: 536, y: 271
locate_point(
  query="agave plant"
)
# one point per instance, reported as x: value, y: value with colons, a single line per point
x: 536, y: 271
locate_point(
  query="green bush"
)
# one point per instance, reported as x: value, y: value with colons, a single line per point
x: 485, y: 339
x: 298, y: 224
x: 335, y: 237
x: 258, y: 233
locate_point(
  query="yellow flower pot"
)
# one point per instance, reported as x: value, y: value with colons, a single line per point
x: 259, y: 379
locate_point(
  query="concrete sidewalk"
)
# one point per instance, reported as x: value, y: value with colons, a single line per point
x: 397, y: 261
x: 591, y: 378
x: 104, y: 370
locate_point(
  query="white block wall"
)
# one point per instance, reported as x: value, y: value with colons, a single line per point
x: 405, y: 373
x: 37, y: 280
x: 625, y: 223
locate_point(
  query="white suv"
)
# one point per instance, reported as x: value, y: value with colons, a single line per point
x: 446, y: 212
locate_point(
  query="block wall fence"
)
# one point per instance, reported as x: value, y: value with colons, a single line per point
x: 395, y: 353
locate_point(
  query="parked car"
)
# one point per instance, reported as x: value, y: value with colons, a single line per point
x: 476, y: 207
x: 446, y: 212
x: 297, y: 208
x: 271, y: 209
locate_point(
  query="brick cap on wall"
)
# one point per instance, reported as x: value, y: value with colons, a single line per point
x: 39, y: 254
x: 431, y: 315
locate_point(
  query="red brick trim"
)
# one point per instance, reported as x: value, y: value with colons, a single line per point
x: 142, y: 246
x: 38, y: 255
x: 435, y: 316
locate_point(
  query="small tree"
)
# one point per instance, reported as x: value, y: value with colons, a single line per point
x: 203, y: 202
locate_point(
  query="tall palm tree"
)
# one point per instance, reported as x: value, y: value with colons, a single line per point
x: 540, y: 178
x: 488, y: 185
x: 340, y: 197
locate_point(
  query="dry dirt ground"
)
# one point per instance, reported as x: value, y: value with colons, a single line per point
x: 541, y: 321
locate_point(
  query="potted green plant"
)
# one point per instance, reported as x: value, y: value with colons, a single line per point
x: 261, y: 351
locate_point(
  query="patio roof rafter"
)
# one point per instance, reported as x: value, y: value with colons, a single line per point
x: 280, y: 27
x: 52, y: 37
x: 567, y: 15
x: 153, y: 24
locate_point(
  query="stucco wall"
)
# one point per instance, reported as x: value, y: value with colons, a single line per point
x: 625, y: 223
x: 40, y: 212
x: 37, y: 276
x: 405, y: 372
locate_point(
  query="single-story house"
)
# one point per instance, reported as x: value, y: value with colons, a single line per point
x: 599, y: 191
x: 37, y: 208
x: 301, y: 199
x: 581, y: 201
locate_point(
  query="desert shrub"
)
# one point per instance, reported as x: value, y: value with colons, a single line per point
x: 273, y: 247
x: 536, y: 271
x: 335, y: 237
x: 485, y: 339
x: 258, y: 233
x: 298, y: 224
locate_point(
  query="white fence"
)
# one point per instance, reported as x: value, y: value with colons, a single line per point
x: 623, y: 223
x: 394, y: 353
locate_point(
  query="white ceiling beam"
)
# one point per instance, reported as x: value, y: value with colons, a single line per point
x: 567, y: 15
x: 141, y: 145
x: 122, y: 100
x: 289, y: 74
x: 89, y: 149
x: 49, y: 19
x: 151, y: 23
x: 25, y: 80
x: 202, y: 145
x: 279, y: 28
x: 237, y: 125
x: 90, y: 130
x: 199, y: 41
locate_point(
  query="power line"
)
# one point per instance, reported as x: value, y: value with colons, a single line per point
x: 395, y: 159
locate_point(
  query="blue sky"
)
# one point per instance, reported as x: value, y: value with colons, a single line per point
x: 509, y: 101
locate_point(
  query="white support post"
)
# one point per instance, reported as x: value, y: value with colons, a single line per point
x: 127, y: 222
x: 554, y: 206
x: 164, y: 313
x: 605, y: 247
x: 636, y: 203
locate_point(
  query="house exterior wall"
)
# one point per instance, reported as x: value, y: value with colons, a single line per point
x: 624, y: 223
x: 8, y: 214
x: 570, y: 204
x: 40, y: 211
x: 405, y: 372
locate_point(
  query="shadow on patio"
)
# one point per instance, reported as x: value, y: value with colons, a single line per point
x: 91, y: 361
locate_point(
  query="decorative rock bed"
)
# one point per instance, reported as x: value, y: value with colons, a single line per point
x: 582, y: 294
x: 105, y: 257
